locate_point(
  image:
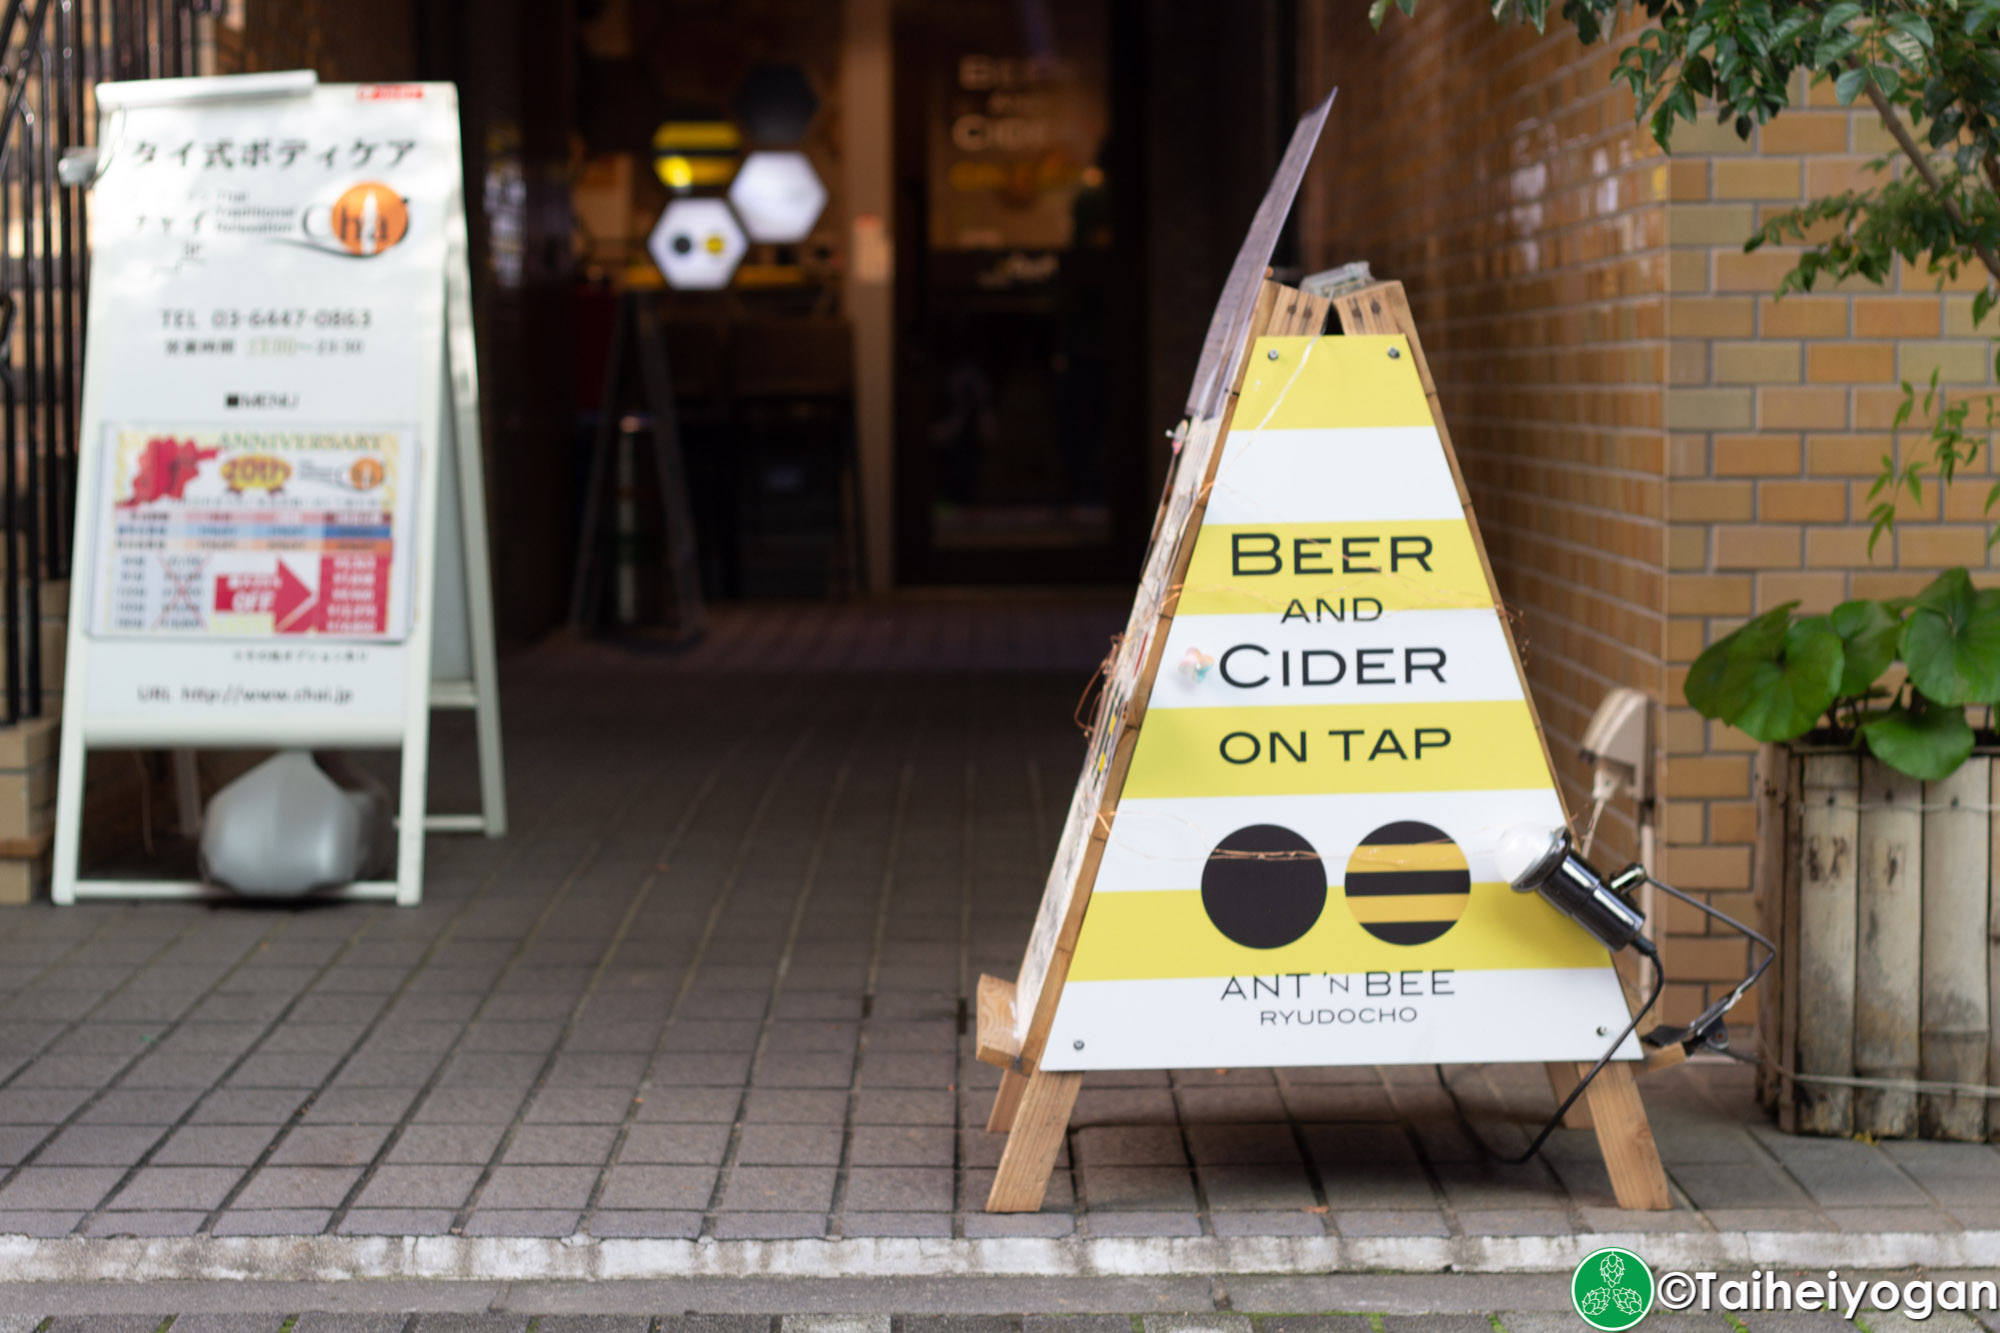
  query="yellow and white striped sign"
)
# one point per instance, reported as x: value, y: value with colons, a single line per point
x: 1301, y: 869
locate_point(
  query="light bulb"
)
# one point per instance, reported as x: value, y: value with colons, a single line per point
x: 1522, y: 851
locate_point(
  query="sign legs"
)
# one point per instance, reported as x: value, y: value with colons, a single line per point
x: 69, y: 802
x: 479, y: 616
x: 410, y: 821
x: 1040, y: 1118
x: 1033, y: 1111
x: 464, y: 501
x: 1626, y: 1139
x: 1006, y: 1101
x: 1563, y: 1076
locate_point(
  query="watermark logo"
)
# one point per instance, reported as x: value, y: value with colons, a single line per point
x: 1612, y: 1289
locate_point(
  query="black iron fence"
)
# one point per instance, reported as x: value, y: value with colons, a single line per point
x: 54, y: 52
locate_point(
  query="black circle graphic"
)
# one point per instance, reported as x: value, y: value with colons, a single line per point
x: 682, y: 243
x: 1263, y: 886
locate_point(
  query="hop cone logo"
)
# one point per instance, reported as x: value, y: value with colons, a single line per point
x: 1612, y: 1289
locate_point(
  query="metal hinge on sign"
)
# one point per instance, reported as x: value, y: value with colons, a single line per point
x: 1336, y: 281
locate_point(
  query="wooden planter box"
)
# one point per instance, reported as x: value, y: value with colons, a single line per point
x: 1878, y: 889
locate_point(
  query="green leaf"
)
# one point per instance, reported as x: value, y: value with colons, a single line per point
x: 1771, y: 679
x: 1839, y: 16
x: 1869, y: 637
x: 1928, y: 741
x: 1705, y: 687
x: 1794, y: 23
x: 1787, y: 692
x: 1848, y: 86
x: 1907, y: 48
x: 1834, y: 49
x: 1952, y: 641
x: 1909, y: 405
x: 1916, y: 27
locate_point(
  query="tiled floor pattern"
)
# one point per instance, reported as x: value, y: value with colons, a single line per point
x: 716, y: 984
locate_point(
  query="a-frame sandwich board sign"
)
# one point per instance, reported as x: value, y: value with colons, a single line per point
x: 1284, y: 847
x: 281, y: 521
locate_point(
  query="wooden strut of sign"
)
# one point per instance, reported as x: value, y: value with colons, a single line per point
x: 1033, y: 1105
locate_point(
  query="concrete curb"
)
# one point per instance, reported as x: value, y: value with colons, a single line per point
x: 582, y: 1258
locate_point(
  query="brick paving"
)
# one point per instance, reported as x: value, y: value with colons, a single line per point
x: 716, y: 985
x: 864, y: 1316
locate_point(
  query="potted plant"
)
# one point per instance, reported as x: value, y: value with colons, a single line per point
x: 1833, y: 679
x: 1875, y: 853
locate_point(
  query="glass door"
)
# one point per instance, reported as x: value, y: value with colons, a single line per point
x: 1016, y: 448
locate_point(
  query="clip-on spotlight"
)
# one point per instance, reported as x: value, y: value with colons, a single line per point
x: 1575, y: 888
x: 1549, y: 865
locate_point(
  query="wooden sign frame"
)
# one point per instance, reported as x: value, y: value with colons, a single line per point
x: 1033, y: 1105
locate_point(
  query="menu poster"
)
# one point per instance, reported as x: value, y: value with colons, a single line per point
x: 253, y: 534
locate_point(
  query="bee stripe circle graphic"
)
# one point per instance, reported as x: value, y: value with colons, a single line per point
x: 1408, y: 883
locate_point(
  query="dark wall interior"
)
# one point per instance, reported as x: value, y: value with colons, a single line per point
x: 511, y: 62
x: 1219, y: 108
x: 1206, y: 99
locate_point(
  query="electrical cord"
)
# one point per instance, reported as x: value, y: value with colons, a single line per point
x: 1928, y: 1087
x: 1707, y: 1027
x: 1702, y: 1030
x: 1706, y: 1030
x: 1644, y: 946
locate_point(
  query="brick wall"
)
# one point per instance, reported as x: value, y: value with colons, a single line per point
x: 1500, y: 179
x: 1657, y: 449
x: 1778, y: 413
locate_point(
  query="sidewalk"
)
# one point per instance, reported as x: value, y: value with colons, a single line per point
x: 1189, y: 1305
x: 705, y: 1014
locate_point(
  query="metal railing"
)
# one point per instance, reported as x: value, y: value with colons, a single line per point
x: 53, y: 53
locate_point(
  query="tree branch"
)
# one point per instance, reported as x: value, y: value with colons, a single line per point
x: 1901, y: 133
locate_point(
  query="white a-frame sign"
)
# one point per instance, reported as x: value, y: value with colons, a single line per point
x: 1284, y: 846
x: 280, y: 521
x: 1309, y: 741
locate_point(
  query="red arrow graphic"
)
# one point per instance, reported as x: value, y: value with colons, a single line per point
x: 296, y: 610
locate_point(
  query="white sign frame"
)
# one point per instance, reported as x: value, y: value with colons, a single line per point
x: 449, y: 656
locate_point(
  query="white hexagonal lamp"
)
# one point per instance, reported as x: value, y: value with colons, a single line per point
x: 697, y: 244
x: 779, y: 196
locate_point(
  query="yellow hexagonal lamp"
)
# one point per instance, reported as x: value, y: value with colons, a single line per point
x: 688, y: 154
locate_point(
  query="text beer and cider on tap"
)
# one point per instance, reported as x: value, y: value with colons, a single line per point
x: 1249, y: 666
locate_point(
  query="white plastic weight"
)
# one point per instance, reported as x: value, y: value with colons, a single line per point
x: 285, y: 828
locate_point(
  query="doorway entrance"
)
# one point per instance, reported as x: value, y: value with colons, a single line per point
x: 1019, y: 283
